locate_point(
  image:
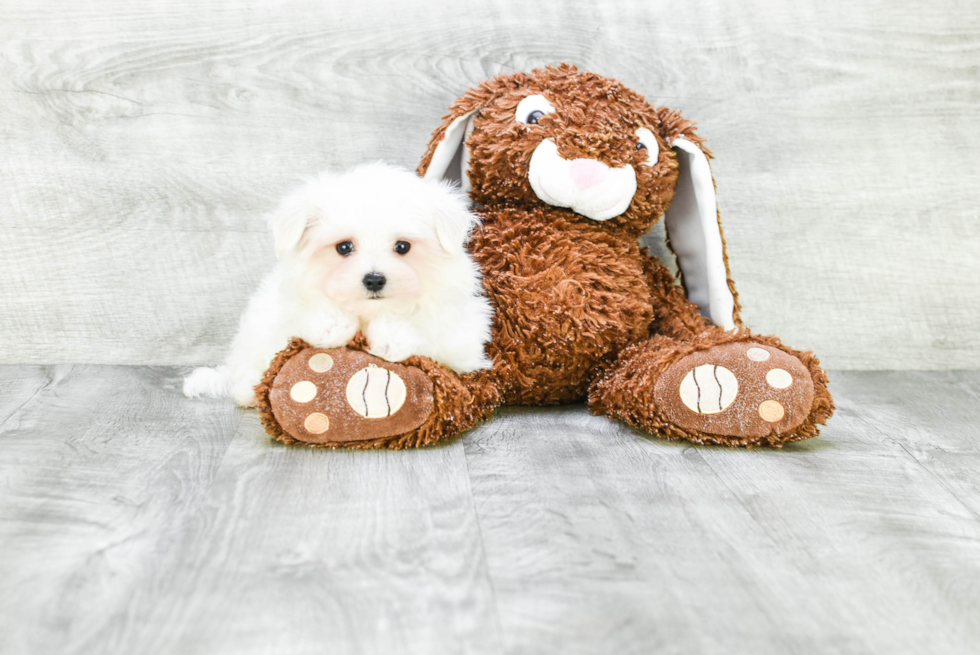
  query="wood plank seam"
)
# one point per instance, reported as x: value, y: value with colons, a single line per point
x: 20, y: 408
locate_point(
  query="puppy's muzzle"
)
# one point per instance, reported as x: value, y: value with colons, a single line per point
x: 374, y: 282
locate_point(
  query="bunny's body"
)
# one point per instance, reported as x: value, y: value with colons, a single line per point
x: 567, y: 299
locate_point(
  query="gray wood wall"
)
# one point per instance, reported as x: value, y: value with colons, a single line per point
x: 140, y: 144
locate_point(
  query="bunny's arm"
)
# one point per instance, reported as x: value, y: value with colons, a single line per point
x: 674, y: 315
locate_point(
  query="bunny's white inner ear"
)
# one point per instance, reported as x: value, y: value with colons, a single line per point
x: 451, y: 158
x: 692, y: 227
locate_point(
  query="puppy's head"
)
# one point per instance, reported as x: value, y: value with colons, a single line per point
x: 375, y: 238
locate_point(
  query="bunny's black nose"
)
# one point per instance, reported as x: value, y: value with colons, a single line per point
x: 374, y: 282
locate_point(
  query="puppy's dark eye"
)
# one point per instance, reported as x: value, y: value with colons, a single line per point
x: 402, y: 247
x: 345, y: 248
x: 640, y: 146
x: 532, y: 118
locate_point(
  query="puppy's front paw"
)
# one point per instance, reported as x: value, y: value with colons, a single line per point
x: 390, y: 351
x: 244, y: 394
x: 334, y: 336
x: 469, y: 364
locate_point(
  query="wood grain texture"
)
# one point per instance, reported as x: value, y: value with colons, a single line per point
x: 18, y: 386
x: 96, y: 469
x: 133, y: 520
x: 142, y: 144
x: 299, y: 550
x: 866, y: 540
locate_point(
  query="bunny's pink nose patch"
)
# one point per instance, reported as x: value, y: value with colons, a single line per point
x: 587, y: 172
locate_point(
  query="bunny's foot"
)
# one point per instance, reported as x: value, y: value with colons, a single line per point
x: 345, y: 397
x: 725, y: 388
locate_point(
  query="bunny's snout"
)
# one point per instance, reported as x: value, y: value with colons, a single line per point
x: 587, y: 173
x: 586, y: 186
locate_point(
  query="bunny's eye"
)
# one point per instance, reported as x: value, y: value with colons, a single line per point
x: 647, y: 143
x: 531, y: 109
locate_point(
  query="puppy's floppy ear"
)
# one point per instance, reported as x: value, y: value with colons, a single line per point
x: 290, y: 219
x: 451, y: 218
x: 694, y: 227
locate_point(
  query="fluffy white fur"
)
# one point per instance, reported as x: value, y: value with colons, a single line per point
x: 432, y: 302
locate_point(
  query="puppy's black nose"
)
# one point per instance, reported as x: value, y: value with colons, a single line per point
x: 374, y: 282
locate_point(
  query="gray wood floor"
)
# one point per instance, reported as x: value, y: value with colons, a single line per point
x: 133, y: 520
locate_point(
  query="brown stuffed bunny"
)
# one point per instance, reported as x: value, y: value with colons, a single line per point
x: 568, y: 170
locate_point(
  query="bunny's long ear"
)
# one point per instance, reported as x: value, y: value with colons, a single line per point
x: 449, y: 159
x: 694, y: 234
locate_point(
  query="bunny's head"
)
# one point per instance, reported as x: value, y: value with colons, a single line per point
x: 589, y: 145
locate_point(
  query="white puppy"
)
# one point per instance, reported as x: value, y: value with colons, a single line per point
x: 377, y: 249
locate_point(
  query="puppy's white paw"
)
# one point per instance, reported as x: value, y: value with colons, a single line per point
x: 390, y: 351
x: 335, y: 336
x: 470, y: 364
x: 244, y: 394
x: 204, y: 381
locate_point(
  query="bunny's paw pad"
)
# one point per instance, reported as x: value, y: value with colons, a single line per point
x: 740, y: 390
x: 337, y: 395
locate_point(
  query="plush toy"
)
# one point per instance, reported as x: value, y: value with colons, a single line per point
x: 568, y: 170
